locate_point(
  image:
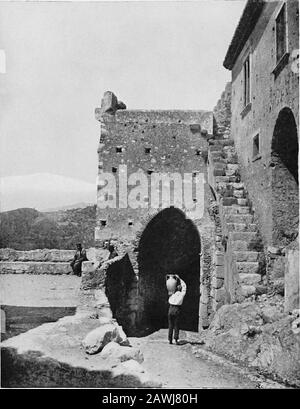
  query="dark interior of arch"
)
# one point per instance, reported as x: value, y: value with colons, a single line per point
x: 285, y: 141
x: 170, y: 244
x: 285, y: 188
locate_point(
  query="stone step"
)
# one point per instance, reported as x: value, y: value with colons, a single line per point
x: 246, y: 255
x: 230, y: 172
x: 239, y: 218
x: 217, y: 156
x: 223, y: 142
x: 219, y: 164
x: 248, y: 290
x: 247, y: 267
x: 216, y: 148
x: 219, y: 172
x: 239, y: 193
x: 241, y: 227
x: 232, y: 166
x: 240, y: 245
x: 243, y: 202
x: 245, y: 236
x: 236, y: 209
x: 246, y: 245
x: 249, y: 278
x: 229, y: 201
x: 238, y: 186
x: 34, y: 267
x: 227, y: 179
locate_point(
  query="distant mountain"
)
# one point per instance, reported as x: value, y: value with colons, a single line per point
x: 42, y: 191
x: 80, y: 205
x: 29, y: 229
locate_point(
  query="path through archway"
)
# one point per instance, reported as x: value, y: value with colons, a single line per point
x: 285, y: 189
x: 169, y: 244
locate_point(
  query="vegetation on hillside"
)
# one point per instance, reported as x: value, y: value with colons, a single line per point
x: 29, y: 229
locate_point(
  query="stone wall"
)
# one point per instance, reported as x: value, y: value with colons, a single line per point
x: 164, y: 142
x: 292, y: 278
x: 50, y: 255
x: 42, y: 261
x: 273, y: 89
x: 222, y: 113
x: 150, y: 141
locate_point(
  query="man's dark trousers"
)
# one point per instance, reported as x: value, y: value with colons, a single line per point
x: 173, y: 319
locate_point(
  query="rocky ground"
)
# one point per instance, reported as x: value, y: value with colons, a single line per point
x: 249, y: 345
x: 188, y: 365
x: 257, y: 334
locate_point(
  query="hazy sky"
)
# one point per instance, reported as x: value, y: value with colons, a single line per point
x: 62, y: 57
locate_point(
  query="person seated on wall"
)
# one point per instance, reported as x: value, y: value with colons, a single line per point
x: 112, y: 250
x: 177, y: 289
x: 78, y: 259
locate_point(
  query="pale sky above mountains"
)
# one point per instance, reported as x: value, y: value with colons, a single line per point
x: 61, y: 57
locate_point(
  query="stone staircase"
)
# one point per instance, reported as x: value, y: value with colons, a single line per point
x: 238, y: 238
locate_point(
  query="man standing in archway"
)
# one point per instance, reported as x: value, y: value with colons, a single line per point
x: 175, y: 303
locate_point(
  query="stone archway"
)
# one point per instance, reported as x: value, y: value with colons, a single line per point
x: 285, y: 188
x: 170, y: 243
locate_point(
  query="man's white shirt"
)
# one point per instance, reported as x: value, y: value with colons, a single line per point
x: 178, y: 296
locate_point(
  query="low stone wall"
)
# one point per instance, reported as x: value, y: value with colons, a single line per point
x: 117, y: 279
x: 34, y: 267
x: 51, y: 255
x: 42, y: 261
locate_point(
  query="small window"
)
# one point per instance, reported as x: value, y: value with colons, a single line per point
x: 147, y: 150
x: 149, y: 172
x: 114, y: 169
x: 281, y: 47
x: 119, y: 149
x: 255, y: 146
x: 103, y: 223
x: 130, y: 223
x: 247, y: 81
x: 198, y: 152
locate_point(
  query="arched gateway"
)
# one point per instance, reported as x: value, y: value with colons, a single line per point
x: 170, y: 244
x: 149, y: 161
x: 285, y: 188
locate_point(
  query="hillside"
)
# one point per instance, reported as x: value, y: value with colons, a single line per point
x: 29, y: 229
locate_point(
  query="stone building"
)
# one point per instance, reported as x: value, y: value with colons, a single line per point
x: 263, y: 59
x: 265, y: 113
x: 161, y: 149
x: 214, y: 245
x: 239, y: 236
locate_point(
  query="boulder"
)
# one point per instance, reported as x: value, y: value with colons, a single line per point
x: 121, y: 337
x: 96, y: 340
x: 296, y: 326
x: 105, y: 320
x: 271, y: 314
x: 114, y: 351
x: 235, y: 315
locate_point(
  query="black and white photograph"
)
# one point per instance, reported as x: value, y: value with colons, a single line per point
x: 149, y: 197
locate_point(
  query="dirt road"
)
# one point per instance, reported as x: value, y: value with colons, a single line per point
x: 184, y: 366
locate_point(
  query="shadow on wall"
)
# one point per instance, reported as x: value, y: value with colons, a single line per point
x: 285, y: 188
x: 120, y: 289
x: 170, y: 244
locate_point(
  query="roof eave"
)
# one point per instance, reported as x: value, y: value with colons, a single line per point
x: 247, y: 22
